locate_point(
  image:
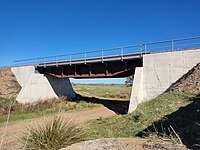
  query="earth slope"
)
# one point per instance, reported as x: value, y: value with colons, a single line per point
x: 9, y: 86
x: 189, y: 83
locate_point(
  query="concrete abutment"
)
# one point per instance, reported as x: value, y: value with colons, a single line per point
x: 39, y: 86
x: 159, y: 71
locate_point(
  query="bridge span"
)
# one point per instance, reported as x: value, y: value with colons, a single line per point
x: 107, y: 63
x: 106, y: 67
x: 155, y: 67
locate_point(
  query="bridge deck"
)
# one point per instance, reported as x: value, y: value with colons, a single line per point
x: 115, y: 66
x: 94, y: 59
x: 114, y: 62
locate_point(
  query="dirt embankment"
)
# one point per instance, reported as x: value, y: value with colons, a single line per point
x: 9, y: 87
x: 189, y: 83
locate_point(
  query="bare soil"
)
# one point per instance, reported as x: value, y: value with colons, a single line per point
x: 9, y: 86
x: 189, y: 83
x: 13, y: 130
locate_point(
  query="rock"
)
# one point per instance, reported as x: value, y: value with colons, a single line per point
x: 124, y: 144
x: 104, y: 144
x: 163, y: 146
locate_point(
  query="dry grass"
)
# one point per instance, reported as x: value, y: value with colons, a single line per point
x: 53, y: 135
x: 46, y: 107
x: 111, y: 91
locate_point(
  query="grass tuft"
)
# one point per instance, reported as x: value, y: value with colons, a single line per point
x: 55, y: 134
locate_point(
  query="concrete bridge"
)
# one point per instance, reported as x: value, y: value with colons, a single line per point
x: 155, y: 67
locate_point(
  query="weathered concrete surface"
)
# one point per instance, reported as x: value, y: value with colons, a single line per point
x: 159, y: 71
x: 23, y: 74
x: 163, y: 69
x: 137, y: 89
x: 39, y: 87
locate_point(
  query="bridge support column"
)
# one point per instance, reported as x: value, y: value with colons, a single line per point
x: 37, y: 87
x: 137, y: 89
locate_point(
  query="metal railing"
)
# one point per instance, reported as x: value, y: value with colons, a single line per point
x: 152, y: 47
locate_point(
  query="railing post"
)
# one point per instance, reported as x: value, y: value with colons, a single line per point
x: 145, y: 48
x: 34, y: 61
x: 102, y: 56
x: 57, y: 61
x: 70, y: 59
x: 122, y: 53
x: 44, y: 63
x: 85, y: 56
x: 141, y: 45
x: 172, y: 44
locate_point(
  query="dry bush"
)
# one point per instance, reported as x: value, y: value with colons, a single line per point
x: 53, y: 135
x: 29, y: 107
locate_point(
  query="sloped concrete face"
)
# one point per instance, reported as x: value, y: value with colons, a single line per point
x: 159, y: 71
x: 163, y: 69
x: 39, y: 87
x: 23, y: 74
x: 137, y: 89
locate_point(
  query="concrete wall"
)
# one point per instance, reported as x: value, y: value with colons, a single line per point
x: 38, y: 86
x: 23, y: 74
x: 160, y: 70
x: 137, y: 89
x: 163, y: 69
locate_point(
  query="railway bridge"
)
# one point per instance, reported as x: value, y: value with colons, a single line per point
x: 155, y: 67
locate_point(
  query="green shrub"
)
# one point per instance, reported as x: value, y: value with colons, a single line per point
x: 52, y: 135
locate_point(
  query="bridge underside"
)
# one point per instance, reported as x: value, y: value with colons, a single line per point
x: 104, y: 69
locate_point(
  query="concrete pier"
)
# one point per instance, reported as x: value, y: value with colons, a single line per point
x: 39, y: 86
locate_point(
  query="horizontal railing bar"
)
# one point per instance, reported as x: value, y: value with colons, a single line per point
x: 189, y: 38
x: 170, y: 46
x: 158, y: 47
x: 41, y: 58
x: 109, y: 49
x: 178, y: 39
x: 92, y: 51
x: 187, y: 44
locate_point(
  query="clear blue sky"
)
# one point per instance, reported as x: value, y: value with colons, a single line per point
x: 34, y: 28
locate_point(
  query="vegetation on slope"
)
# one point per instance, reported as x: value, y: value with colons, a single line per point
x: 144, y: 120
